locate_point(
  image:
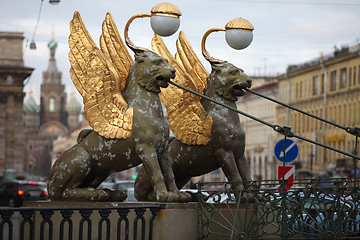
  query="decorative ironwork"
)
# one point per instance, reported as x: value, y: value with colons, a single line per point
x: 312, y: 208
x: 64, y: 222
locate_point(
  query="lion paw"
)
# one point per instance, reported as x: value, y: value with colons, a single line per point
x: 173, y: 197
x: 115, y: 196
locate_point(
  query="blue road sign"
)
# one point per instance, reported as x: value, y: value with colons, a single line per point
x: 291, y: 150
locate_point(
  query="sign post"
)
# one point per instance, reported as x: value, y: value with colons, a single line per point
x: 286, y: 151
x: 289, y: 174
x: 291, y: 150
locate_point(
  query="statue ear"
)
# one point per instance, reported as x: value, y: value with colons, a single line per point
x: 139, y: 58
x: 217, y: 66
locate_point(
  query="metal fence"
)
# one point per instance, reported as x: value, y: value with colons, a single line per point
x: 121, y: 222
x: 310, y: 209
x: 300, y: 209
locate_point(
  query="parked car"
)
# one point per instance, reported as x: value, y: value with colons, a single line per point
x: 14, y: 193
x: 10, y: 174
x: 123, y: 185
x: 128, y: 187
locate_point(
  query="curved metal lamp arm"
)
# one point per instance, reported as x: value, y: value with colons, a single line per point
x: 206, y: 53
x: 129, y: 43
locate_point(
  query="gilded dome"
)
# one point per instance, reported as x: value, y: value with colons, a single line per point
x: 52, y: 44
x: 30, y: 106
x: 239, y: 23
x: 165, y: 8
x: 73, y: 106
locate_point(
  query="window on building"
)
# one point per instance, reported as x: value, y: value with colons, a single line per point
x: 297, y: 91
x: 322, y: 83
x: 333, y: 80
x: 315, y: 85
x: 339, y: 116
x: 354, y: 77
x: 266, y: 164
x: 350, y: 76
x: 359, y: 74
x: 321, y: 115
x: 9, y: 79
x: 52, y: 105
x: 343, y: 78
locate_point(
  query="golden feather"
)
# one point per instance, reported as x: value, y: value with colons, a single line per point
x: 187, y: 117
x: 98, y: 82
x: 114, y: 48
x: 191, y: 62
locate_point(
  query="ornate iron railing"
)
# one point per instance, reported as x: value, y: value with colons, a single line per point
x: 300, y: 212
x: 311, y: 208
x: 120, y: 222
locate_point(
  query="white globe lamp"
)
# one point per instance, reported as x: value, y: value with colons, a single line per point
x: 165, y: 19
x: 239, y: 33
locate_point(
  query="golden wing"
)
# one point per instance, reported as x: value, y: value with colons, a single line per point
x: 186, y: 55
x: 114, y: 48
x: 187, y: 117
x: 98, y: 82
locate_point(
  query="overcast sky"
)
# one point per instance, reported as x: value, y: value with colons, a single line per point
x: 286, y: 32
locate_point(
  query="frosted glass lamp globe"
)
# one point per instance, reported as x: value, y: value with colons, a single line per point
x: 164, y: 25
x: 238, y: 39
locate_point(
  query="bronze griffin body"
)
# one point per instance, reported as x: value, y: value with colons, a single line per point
x: 128, y: 120
x: 223, y: 147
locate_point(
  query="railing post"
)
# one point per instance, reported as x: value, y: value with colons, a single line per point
x: 154, y: 212
x: 6, y: 219
x: 139, y: 216
x: 284, y: 226
x: 27, y: 218
x: 104, y: 214
x: 85, y: 214
x: 66, y: 214
x: 355, y: 162
x: 123, y: 217
x: 46, y: 214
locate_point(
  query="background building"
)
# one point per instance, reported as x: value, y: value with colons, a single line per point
x: 260, y: 138
x: 328, y: 87
x: 13, y: 73
x: 53, y: 118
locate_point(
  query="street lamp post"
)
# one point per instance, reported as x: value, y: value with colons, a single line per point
x: 311, y: 164
x: 238, y: 35
x: 165, y: 21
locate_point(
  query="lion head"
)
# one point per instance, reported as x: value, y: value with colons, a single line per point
x: 229, y: 81
x: 152, y: 71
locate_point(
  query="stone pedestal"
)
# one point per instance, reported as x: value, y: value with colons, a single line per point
x: 177, y: 221
x: 174, y: 221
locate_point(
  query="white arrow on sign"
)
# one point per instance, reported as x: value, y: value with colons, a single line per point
x: 289, y: 173
x: 287, y: 149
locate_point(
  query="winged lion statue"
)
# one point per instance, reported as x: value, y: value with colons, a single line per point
x: 208, y: 136
x: 122, y: 105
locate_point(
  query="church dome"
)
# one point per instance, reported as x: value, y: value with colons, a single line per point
x: 52, y: 44
x: 30, y: 106
x: 73, y: 106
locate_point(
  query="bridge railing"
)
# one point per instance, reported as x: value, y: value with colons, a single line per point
x: 299, y: 212
x: 311, y: 208
x: 118, y: 222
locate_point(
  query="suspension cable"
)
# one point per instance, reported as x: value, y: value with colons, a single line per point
x: 222, y: 104
x: 353, y: 131
x: 286, y: 131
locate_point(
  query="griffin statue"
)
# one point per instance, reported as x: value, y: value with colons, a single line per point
x: 123, y: 107
x: 208, y: 136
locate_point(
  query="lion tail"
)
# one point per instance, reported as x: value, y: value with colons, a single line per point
x: 83, y: 134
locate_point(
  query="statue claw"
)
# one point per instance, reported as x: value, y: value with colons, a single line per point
x: 180, y: 197
x: 115, y: 196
